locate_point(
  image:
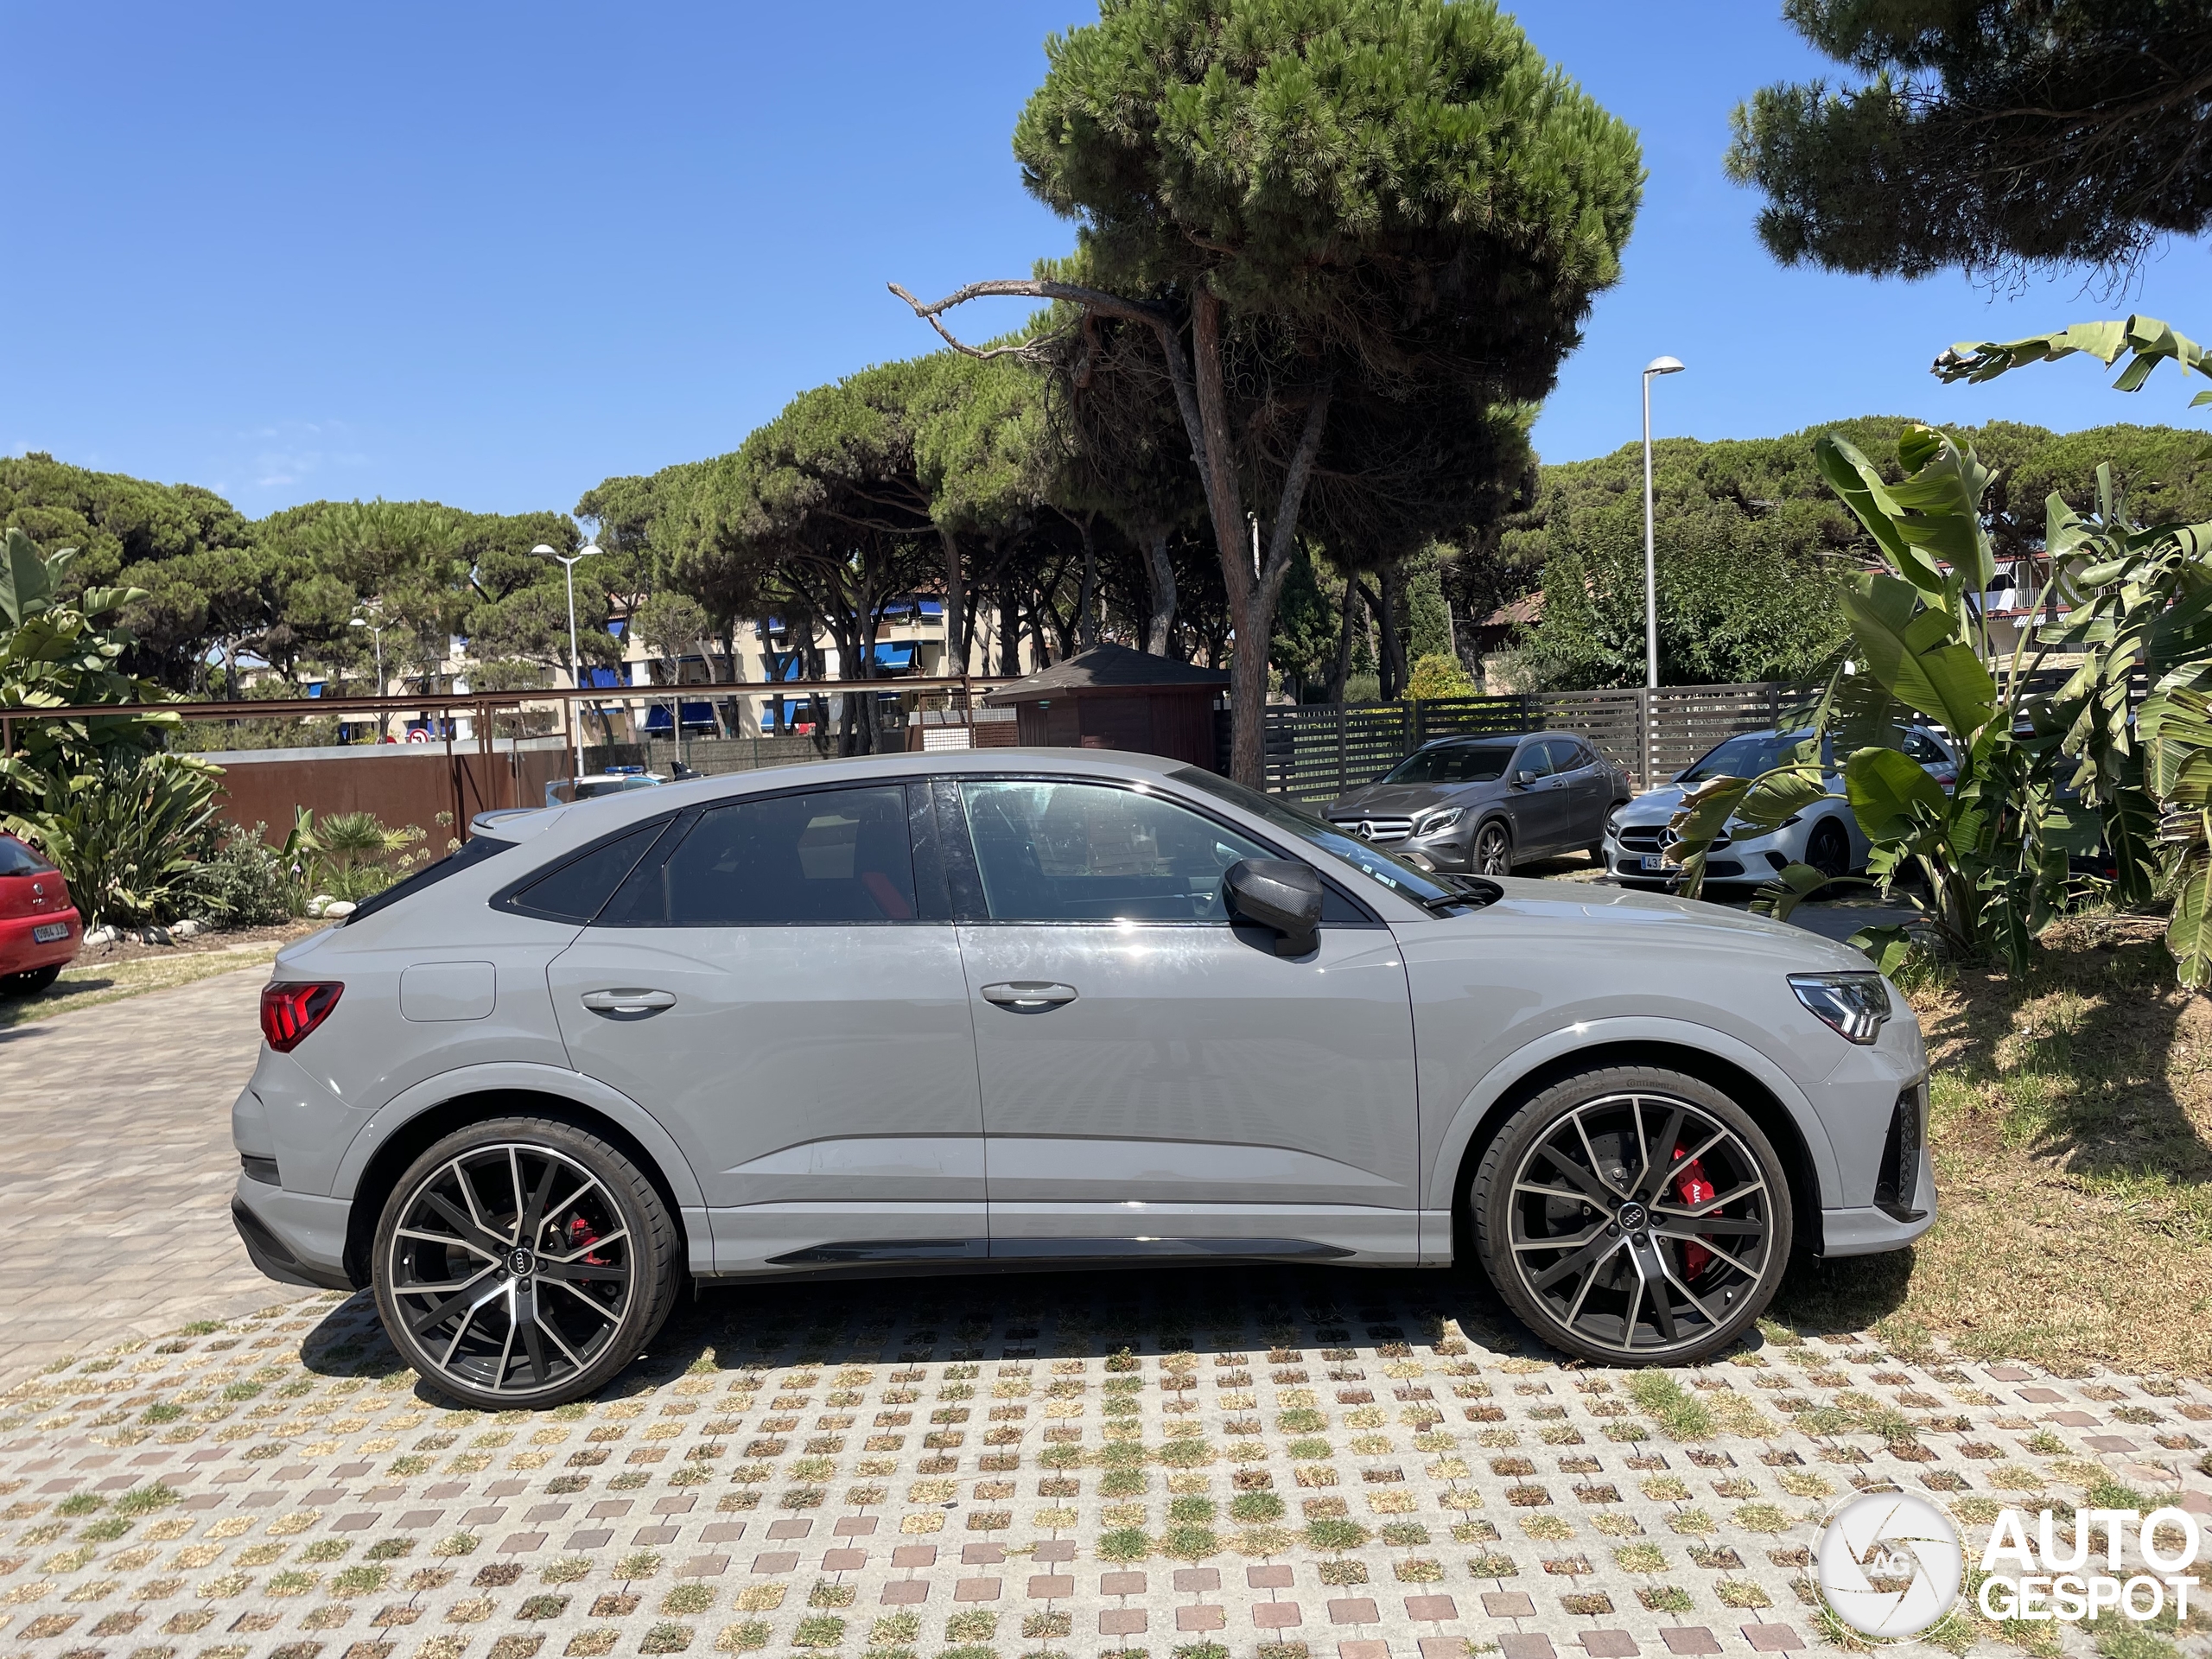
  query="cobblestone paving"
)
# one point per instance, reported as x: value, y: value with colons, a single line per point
x: 117, y: 1181
x: 1203, y: 1463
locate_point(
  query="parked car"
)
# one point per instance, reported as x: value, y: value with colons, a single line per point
x: 40, y: 929
x: 1484, y: 804
x: 614, y: 781
x: 783, y: 1024
x: 1639, y: 846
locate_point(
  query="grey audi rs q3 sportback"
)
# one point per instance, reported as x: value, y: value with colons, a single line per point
x: 1004, y: 1008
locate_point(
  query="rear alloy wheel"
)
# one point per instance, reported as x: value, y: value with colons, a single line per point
x: 523, y: 1261
x: 1633, y: 1216
x: 1828, y: 850
x: 1493, y: 850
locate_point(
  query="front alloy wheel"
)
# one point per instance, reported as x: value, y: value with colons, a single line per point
x: 1633, y: 1216
x: 523, y: 1263
x: 1493, y: 850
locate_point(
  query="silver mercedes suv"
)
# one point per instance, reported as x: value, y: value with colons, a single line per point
x: 1007, y: 1008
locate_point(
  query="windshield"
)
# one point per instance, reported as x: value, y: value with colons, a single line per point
x: 1752, y: 753
x: 1453, y: 763
x: 1378, y: 865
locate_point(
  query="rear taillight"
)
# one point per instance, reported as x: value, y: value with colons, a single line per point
x: 289, y: 1013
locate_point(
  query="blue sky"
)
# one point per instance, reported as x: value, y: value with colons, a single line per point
x: 493, y: 254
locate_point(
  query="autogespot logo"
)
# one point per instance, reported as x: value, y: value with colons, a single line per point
x: 1889, y: 1563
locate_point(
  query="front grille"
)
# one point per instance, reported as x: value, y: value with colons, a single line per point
x: 1377, y: 829
x: 1641, y: 838
x: 1896, y: 1183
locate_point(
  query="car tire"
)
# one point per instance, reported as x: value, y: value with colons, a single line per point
x: 1828, y: 849
x: 1491, y: 852
x: 472, y: 1297
x: 1568, y: 1165
x: 30, y: 982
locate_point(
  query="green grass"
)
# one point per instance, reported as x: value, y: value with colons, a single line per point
x: 88, y: 983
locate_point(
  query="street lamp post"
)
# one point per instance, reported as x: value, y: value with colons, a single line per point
x: 376, y: 633
x: 576, y: 667
x: 1657, y: 366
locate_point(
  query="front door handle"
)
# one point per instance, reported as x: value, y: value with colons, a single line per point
x: 1029, y: 995
x: 628, y: 1001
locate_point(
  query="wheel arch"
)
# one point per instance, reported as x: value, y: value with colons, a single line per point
x: 1481, y: 1119
x: 400, y: 1133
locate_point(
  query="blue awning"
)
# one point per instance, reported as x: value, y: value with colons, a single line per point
x: 601, y: 678
x: 657, y: 718
x: 617, y: 625
x: 315, y: 690
x: 895, y: 655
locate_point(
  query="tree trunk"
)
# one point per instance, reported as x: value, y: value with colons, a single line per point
x: 1160, y: 570
x: 1086, y: 619
x: 956, y: 605
x: 1009, y: 633
x: 1343, y: 644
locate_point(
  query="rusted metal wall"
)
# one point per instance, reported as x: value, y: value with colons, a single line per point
x: 400, y: 785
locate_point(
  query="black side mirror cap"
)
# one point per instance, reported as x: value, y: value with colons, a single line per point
x: 1279, y: 893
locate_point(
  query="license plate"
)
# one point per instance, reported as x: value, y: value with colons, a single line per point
x: 1661, y: 864
x: 48, y: 932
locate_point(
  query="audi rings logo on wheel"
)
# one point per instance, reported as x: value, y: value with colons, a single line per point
x: 1889, y: 1564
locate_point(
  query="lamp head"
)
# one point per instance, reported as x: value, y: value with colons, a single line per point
x: 358, y: 622
x: 543, y: 551
x: 1665, y: 366
x: 588, y: 550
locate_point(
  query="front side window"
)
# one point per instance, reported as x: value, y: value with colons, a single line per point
x: 833, y: 855
x: 1049, y: 852
x: 1405, y: 879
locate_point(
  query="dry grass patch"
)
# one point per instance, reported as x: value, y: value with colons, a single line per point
x: 2071, y: 1121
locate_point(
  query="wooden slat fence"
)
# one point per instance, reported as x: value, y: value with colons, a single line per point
x: 1317, y: 752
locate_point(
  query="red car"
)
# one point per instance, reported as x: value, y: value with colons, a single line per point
x: 40, y: 929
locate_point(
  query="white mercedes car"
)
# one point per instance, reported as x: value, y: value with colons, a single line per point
x: 1639, y: 848
x: 956, y: 1012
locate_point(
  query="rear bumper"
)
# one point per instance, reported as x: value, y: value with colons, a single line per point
x: 21, y: 954
x: 295, y: 1238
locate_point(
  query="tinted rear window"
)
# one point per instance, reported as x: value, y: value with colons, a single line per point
x: 16, y: 859
x: 579, y: 889
x: 471, y: 852
x: 827, y: 856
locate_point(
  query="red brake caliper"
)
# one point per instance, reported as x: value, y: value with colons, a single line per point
x: 580, y: 1233
x: 1693, y: 1189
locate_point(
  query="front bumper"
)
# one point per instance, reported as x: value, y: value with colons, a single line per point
x: 1876, y: 1228
x: 1753, y: 861
x: 294, y: 1238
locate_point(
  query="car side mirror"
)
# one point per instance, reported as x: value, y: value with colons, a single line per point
x: 1523, y: 778
x: 1279, y: 893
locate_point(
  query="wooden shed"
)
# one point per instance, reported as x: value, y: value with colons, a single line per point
x: 1111, y: 697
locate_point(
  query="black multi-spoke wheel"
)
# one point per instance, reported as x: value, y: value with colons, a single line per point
x: 1493, y: 849
x: 1633, y: 1215
x: 1828, y: 850
x: 523, y: 1263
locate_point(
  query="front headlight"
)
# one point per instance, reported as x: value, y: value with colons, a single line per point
x: 1853, y: 1006
x: 1443, y: 818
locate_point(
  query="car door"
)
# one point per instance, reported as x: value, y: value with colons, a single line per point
x: 1156, y: 1080
x: 778, y: 982
x: 1535, y: 806
x: 1585, y: 787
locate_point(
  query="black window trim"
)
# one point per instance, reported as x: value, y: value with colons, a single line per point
x: 507, y: 897
x: 970, y: 908
x: 932, y: 906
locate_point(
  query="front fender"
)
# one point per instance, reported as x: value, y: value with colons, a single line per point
x: 1591, y: 1034
x: 520, y: 1077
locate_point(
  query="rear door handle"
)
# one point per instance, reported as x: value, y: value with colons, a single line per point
x: 1026, y: 994
x: 628, y: 1001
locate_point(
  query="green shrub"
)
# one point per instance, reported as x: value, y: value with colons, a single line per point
x: 246, y: 883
